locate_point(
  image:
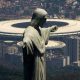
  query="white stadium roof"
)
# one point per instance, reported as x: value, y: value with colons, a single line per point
x: 6, y: 27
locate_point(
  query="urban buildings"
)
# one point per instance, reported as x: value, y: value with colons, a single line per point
x: 72, y: 48
x: 11, y: 9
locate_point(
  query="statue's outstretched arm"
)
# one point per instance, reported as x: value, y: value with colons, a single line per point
x: 53, y: 28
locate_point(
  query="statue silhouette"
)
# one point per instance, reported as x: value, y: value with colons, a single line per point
x: 35, y: 38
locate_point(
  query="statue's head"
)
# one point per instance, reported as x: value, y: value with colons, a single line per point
x: 39, y: 17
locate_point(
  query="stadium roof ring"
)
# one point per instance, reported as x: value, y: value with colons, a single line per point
x: 7, y: 28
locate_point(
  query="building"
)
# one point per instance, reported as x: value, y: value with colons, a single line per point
x: 55, y: 51
x: 72, y: 48
x: 70, y: 1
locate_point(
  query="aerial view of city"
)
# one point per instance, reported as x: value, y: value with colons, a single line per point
x: 63, y: 49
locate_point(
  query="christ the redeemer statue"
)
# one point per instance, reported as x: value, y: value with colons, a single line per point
x: 35, y: 38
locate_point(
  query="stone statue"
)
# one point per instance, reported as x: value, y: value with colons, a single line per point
x: 35, y: 38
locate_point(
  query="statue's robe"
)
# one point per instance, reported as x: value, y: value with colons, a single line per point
x: 33, y: 53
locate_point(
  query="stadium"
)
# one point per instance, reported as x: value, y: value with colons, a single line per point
x: 68, y: 33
